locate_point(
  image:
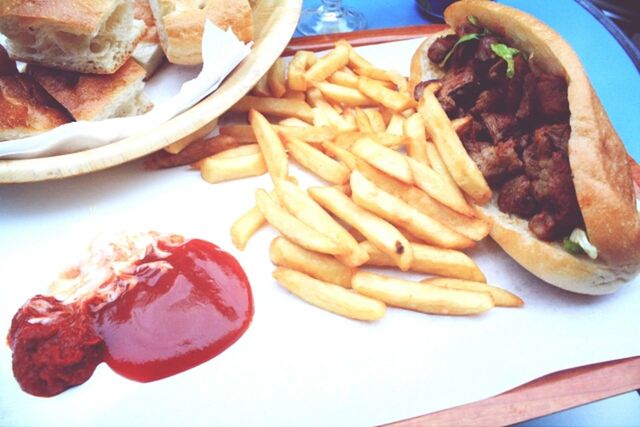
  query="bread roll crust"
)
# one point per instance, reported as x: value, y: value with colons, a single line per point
x: 598, y: 159
x: 26, y: 108
x: 601, y: 172
x: 181, y: 25
x: 92, y: 96
x: 54, y: 33
x: 75, y: 16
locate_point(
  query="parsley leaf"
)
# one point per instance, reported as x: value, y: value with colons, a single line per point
x: 463, y: 39
x: 472, y: 20
x: 507, y: 53
x: 571, y: 247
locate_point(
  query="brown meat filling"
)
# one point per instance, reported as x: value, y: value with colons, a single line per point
x: 520, y: 129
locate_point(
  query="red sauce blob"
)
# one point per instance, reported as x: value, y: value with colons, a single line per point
x: 183, y: 305
x: 176, y: 318
x: 51, y: 355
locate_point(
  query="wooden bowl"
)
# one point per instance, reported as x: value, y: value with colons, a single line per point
x: 274, y: 24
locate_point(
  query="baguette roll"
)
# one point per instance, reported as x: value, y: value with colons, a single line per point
x: 598, y: 160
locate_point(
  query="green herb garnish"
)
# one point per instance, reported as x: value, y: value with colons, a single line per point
x: 571, y: 247
x: 507, y: 53
x: 472, y: 20
x: 463, y: 39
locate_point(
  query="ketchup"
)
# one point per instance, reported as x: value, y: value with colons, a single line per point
x: 54, y: 346
x: 179, y: 315
x: 176, y: 306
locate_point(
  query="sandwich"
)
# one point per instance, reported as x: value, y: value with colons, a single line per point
x: 564, y: 204
x: 181, y: 25
x: 94, y: 96
x: 26, y: 109
x: 148, y: 53
x: 74, y: 35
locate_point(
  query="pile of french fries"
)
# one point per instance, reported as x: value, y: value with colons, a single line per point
x: 399, y: 189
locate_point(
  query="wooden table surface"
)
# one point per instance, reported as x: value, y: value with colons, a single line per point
x: 543, y: 396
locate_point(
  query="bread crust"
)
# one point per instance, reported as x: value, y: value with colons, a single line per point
x: 551, y: 263
x: 598, y: 159
x: 89, y: 96
x: 100, y: 45
x: 26, y: 108
x: 142, y: 11
x: 75, y: 16
x: 181, y: 25
x: 601, y: 173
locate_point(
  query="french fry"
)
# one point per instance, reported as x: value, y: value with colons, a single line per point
x: 285, y: 253
x: 346, y: 69
x: 290, y: 126
x: 342, y: 154
x: 436, y: 186
x: 387, y: 160
x: 215, y: 170
x: 328, y: 64
x: 293, y: 122
x: 378, y: 231
x: 310, y: 134
x: 316, y: 161
x: 351, y: 119
x: 320, y: 118
x: 393, y: 209
x: 274, y: 154
x: 178, y: 146
x: 396, y: 125
x: 396, y: 101
x: 431, y: 260
x: 375, y: 119
x: 347, y: 139
x: 294, y: 94
x: 294, y: 229
x: 246, y: 226
x: 391, y: 79
x: 328, y: 296
x: 387, y: 76
x: 501, y: 297
x: 195, y: 151
x: 262, y: 87
x: 373, y: 73
x: 408, y: 112
x: 463, y: 169
x: 297, y: 67
x: 461, y: 123
x: 343, y: 78
x: 276, y: 78
x: 355, y: 59
x: 438, y: 165
x: 345, y: 95
x: 364, y: 125
x: 243, y: 150
x: 280, y: 107
x: 338, y: 122
x: 402, y: 83
x: 474, y: 228
x: 303, y: 207
x: 421, y: 297
x: 417, y: 141
x: 314, y: 95
x: 242, y: 133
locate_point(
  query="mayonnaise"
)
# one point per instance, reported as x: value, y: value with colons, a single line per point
x: 579, y: 237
